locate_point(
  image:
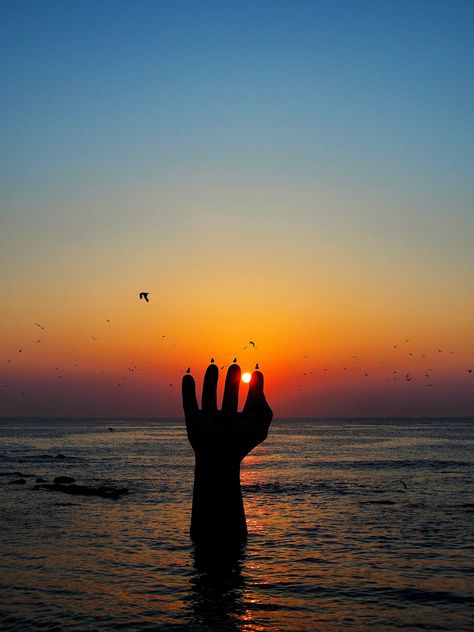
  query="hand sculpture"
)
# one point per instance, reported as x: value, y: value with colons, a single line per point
x: 220, y: 440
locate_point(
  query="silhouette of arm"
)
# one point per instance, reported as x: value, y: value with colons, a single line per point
x: 220, y: 440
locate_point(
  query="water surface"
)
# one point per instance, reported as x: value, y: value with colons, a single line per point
x: 352, y: 523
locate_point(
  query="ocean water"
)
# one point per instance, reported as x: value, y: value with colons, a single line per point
x: 353, y: 525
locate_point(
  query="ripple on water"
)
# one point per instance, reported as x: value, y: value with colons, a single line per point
x: 337, y: 543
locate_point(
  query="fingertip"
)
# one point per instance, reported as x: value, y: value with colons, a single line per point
x: 188, y: 389
x: 187, y: 380
x: 211, y: 371
x: 256, y: 381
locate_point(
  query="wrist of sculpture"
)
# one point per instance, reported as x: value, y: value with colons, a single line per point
x: 218, y: 511
x: 225, y: 471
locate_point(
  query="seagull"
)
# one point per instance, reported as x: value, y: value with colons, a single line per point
x: 212, y: 360
x: 188, y: 370
x: 144, y: 295
x: 252, y: 343
x: 256, y: 366
x: 469, y: 370
x: 93, y: 338
x: 108, y: 320
x: 38, y: 325
x: 234, y: 360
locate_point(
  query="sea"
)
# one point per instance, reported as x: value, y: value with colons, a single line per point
x: 354, y: 524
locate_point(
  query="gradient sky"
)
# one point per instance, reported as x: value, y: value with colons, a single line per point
x: 299, y: 174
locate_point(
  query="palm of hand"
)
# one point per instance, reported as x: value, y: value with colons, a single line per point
x: 221, y: 436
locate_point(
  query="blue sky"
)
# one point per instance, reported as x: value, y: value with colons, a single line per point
x: 365, y: 88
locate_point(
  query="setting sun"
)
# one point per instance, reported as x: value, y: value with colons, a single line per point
x: 246, y: 377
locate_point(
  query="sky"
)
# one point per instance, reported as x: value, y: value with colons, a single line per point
x: 295, y: 174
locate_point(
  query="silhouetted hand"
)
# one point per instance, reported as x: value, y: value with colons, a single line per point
x: 220, y: 440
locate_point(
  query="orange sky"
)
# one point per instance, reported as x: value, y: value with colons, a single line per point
x: 315, y: 197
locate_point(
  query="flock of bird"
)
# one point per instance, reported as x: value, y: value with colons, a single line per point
x: 396, y: 374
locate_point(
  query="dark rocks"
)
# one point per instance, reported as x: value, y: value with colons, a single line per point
x: 102, y: 491
x: 59, y: 456
x: 41, y: 480
x: 62, y: 480
x: 17, y: 481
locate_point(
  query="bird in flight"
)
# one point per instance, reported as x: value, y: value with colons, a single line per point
x: 145, y: 296
x: 38, y: 325
x: 252, y: 343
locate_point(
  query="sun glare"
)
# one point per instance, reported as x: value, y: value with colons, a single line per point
x: 246, y: 377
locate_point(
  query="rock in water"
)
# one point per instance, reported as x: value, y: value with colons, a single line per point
x: 85, y: 490
x: 63, y: 479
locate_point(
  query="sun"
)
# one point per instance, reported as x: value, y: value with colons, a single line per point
x: 246, y: 377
